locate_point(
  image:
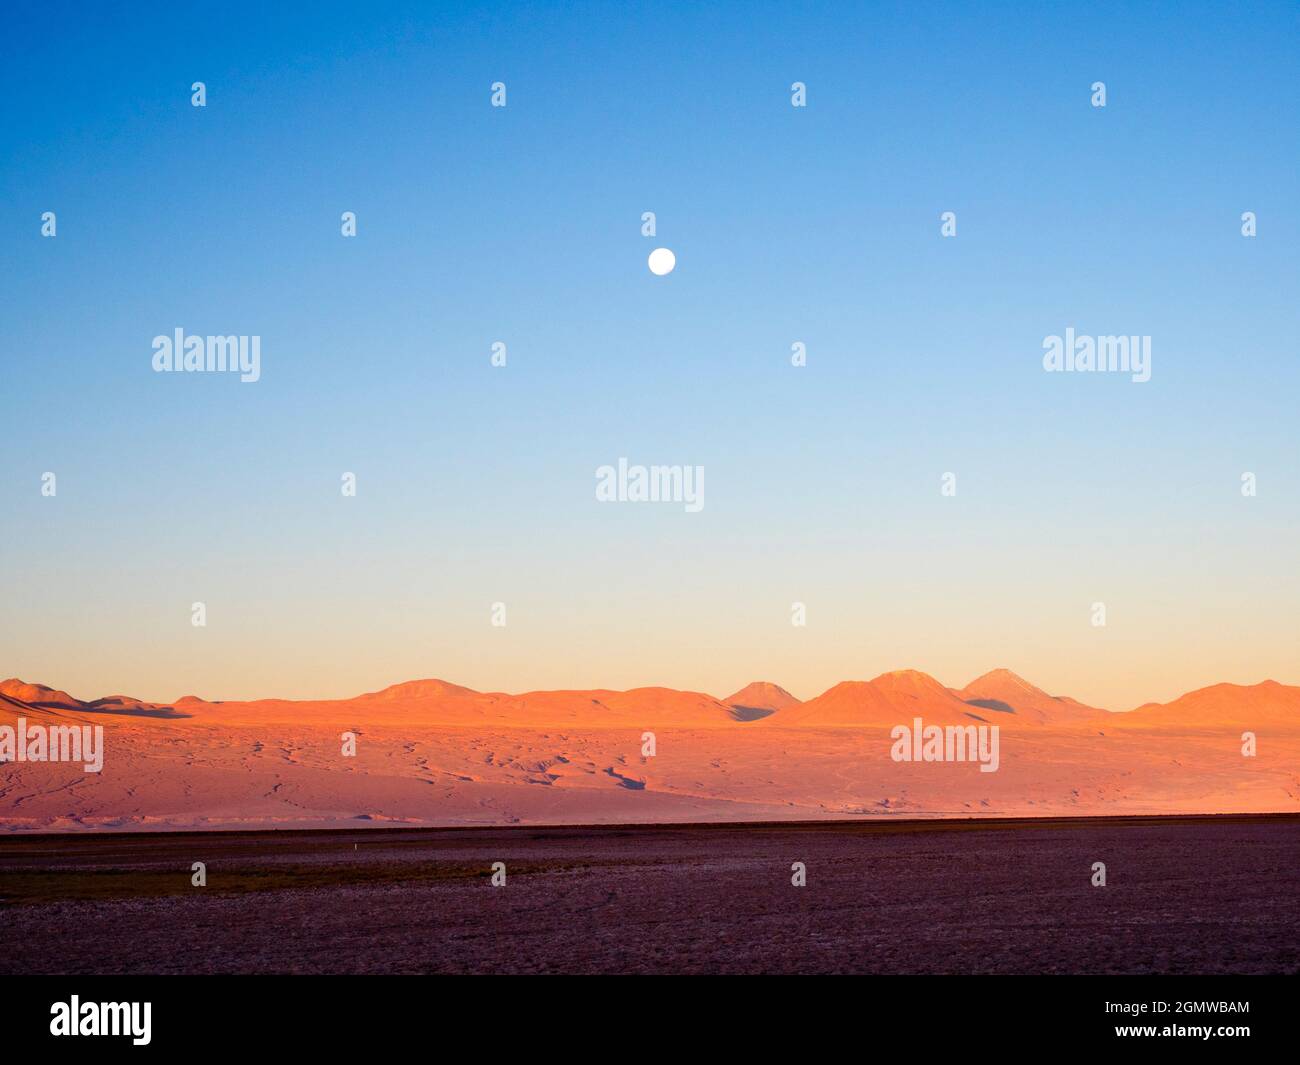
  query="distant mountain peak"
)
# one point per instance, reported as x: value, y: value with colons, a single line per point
x: 1002, y: 675
x: 758, y: 699
x: 38, y: 694
x: 1238, y: 704
x: 420, y: 689
x: 762, y: 694
x: 907, y: 680
x: 1002, y: 690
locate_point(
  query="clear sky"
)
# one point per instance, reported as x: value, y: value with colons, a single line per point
x: 476, y: 484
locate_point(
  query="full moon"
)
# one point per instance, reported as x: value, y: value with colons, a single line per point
x: 662, y: 261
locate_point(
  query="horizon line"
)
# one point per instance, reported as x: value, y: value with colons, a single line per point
x: 639, y: 687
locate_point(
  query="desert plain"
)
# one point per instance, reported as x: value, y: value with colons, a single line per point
x: 431, y: 753
x: 1183, y: 895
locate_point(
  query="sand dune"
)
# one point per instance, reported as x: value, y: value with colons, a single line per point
x: 434, y: 753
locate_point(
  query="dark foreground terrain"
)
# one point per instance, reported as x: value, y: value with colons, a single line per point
x: 1183, y: 895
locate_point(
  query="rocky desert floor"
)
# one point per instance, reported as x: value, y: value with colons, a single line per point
x: 1183, y: 895
x: 187, y: 775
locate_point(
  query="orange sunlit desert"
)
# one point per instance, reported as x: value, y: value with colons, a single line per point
x: 431, y: 753
x: 666, y: 489
x: 655, y: 831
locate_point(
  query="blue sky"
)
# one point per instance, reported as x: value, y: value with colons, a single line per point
x: 522, y: 224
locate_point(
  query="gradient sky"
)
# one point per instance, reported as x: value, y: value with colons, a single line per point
x: 522, y: 225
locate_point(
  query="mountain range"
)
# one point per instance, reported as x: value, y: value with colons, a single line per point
x: 429, y: 752
x: 998, y: 697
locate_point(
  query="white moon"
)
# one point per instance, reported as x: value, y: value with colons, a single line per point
x: 662, y: 261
